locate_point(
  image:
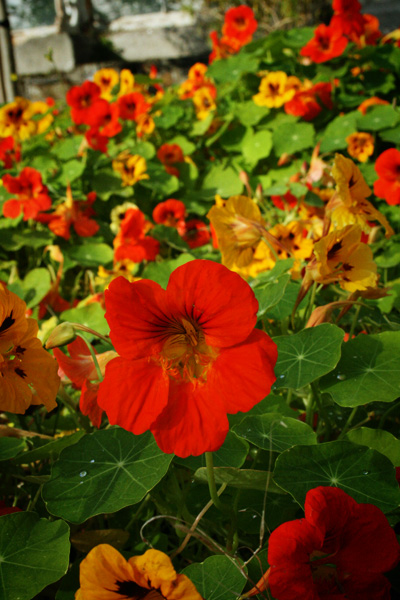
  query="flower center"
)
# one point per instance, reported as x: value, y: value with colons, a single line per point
x: 132, y: 591
x: 185, y: 355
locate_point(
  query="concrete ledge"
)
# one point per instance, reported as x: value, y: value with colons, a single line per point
x: 31, y: 46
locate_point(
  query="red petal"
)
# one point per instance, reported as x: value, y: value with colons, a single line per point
x: 88, y: 403
x: 133, y: 393
x: 242, y: 376
x: 192, y: 423
x: 219, y: 300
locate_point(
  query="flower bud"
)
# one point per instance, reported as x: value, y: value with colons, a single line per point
x: 61, y: 335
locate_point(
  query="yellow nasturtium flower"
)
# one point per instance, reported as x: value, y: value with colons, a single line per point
x: 275, y: 89
x: 131, y: 167
x: 105, y: 574
x: 106, y: 79
x: 239, y: 228
x: 349, y: 205
x: 360, y: 145
x: 341, y: 257
x: 16, y: 119
x: 292, y: 237
x: 204, y: 102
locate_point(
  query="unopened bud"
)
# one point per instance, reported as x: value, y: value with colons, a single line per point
x: 61, y: 335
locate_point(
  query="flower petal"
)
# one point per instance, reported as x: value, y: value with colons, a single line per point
x: 133, y: 393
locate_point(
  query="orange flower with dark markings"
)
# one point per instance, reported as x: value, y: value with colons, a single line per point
x: 347, y: 17
x: 308, y: 103
x: 370, y: 102
x: 188, y: 356
x: 105, y: 574
x: 196, y: 233
x: 31, y: 194
x: 171, y: 213
x: 9, y: 152
x: 132, y: 105
x: 16, y: 119
x: 83, y: 99
x: 240, y: 24
x: 224, y: 47
x: 28, y: 374
x: 169, y: 155
x: 328, y: 42
x: 360, y: 145
x: 131, y: 242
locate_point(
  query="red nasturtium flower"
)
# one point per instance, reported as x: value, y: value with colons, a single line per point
x: 339, y: 551
x: 196, y: 233
x: 308, y: 103
x: 388, y: 168
x: 328, y: 42
x: 188, y: 356
x: 169, y: 155
x: 83, y: 99
x: 171, y: 213
x: 131, y: 106
x: 131, y: 241
x: 240, y: 24
x: 31, y: 194
x: 79, y: 368
x: 9, y: 151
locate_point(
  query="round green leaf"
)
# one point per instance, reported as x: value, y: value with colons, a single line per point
x: 258, y: 146
x: 90, y: 254
x: 273, y: 432
x: 223, y: 181
x: 305, y: 356
x: 34, y: 553
x: 10, y: 447
x: 91, y: 316
x: 269, y: 294
x: 243, y: 479
x: 104, y: 472
x: 378, y: 117
x: 362, y: 473
x: 368, y: 371
x: 290, y: 138
x: 378, y: 439
x: 232, y: 453
x: 34, y: 287
x: 217, y: 578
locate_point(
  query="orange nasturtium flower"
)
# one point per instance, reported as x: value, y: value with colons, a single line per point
x: 292, y: 236
x: 370, y: 102
x: 131, y: 167
x: 240, y: 24
x: 204, y: 101
x: 239, y: 228
x: 31, y: 195
x: 348, y: 204
x: 360, y: 145
x: 28, y: 374
x: 188, y: 356
x: 328, y: 42
x: 105, y: 574
x: 275, y: 89
x: 341, y: 257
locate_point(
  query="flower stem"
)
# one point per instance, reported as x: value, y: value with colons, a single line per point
x: 354, y: 322
x: 348, y: 423
x: 310, y: 303
x: 211, y: 481
x: 93, y: 355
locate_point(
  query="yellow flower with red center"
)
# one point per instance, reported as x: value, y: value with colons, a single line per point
x: 106, y: 79
x: 144, y: 125
x: 204, y: 101
x: 349, y: 205
x: 41, y: 108
x: 105, y: 573
x: 341, y: 257
x: 28, y: 374
x: 126, y: 82
x: 292, y: 236
x: 131, y: 167
x: 16, y: 119
x: 360, y: 145
x: 275, y: 89
x: 239, y: 228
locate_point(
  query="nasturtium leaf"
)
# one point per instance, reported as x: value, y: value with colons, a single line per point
x: 269, y: 294
x: 368, y: 371
x: 243, y: 479
x: 232, y: 453
x: 170, y: 236
x: 14, y: 240
x: 390, y: 135
x: 290, y: 138
x: 365, y: 474
x: 104, y: 472
x: 378, y: 117
x: 223, y: 181
x: 368, y: 172
x: 34, y: 553
x: 91, y: 254
x: 278, y: 509
x: 249, y: 113
x: 273, y: 432
x: 105, y: 183
x: 50, y: 450
x: 160, y: 181
x: 186, y: 145
x: 284, y: 307
x: 144, y: 149
x: 34, y: 287
x: 297, y: 37
x: 217, y: 578
x: 43, y: 161
x: 91, y: 316
x: 232, y: 68
x: 377, y: 439
x: 200, y: 127
x: 234, y: 139
x: 160, y: 272
x: 258, y: 146
x: 171, y: 114
x: 305, y: 356
x: 71, y: 170
x: 67, y: 148
x: 10, y: 447
x: 334, y: 136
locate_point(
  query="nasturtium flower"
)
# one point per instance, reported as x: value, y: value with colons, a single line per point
x: 293, y: 237
x: 106, y: 575
x: 131, y: 242
x: 131, y: 167
x: 144, y: 125
x: 195, y: 233
x: 239, y: 228
x: 349, y: 205
x: 169, y: 155
x: 223, y: 47
x: 373, y: 101
x: 106, y: 79
x: 387, y: 186
x: 204, y: 101
x: 126, y: 82
x: 347, y: 17
x: 31, y: 195
x: 328, y: 42
x: 132, y: 105
x: 360, y: 145
x: 188, y: 356
x: 28, y: 374
x: 171, y: 213
x: 275, y: 89
x: 240, y: 24
x: 310, y: 100
x: 9, y: 151
x: 341, y: 257
x: 85, y: 103
x: 16, y: 119
x: 341, y: 549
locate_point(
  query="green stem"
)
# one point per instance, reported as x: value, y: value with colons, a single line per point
x: 354, y: 322
x: 81, y: 423
x: 93, y: 354
x: 310, y: 305
x: 348, y: 423
x: 211, y: 481
x: 387, y: 413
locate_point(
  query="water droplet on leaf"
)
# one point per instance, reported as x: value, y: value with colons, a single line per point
x: 83, y: 474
